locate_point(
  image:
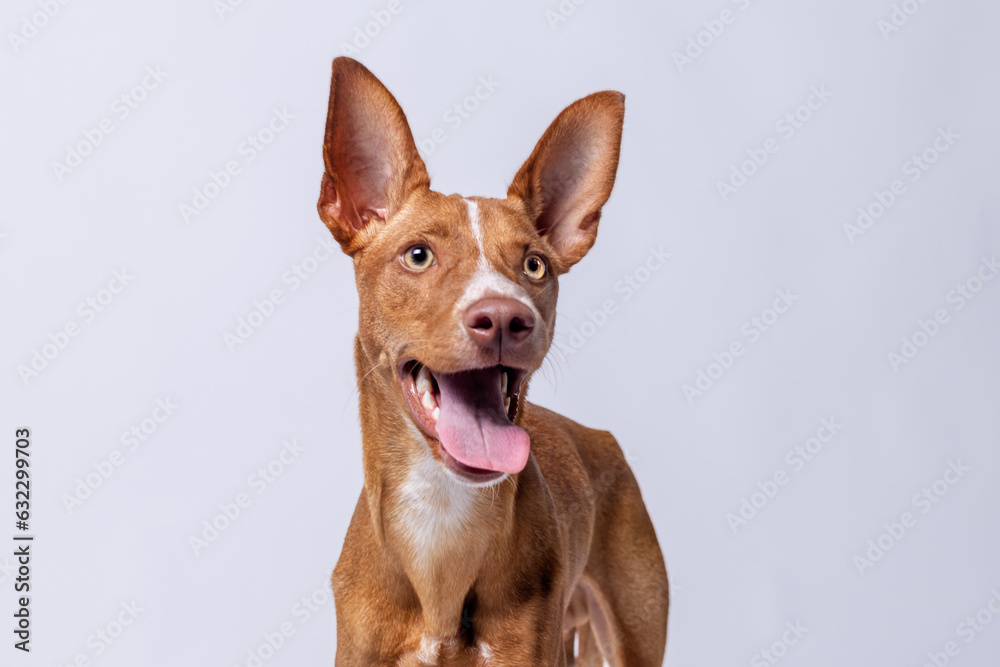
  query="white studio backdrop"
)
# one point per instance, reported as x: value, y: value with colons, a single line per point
x: 789, y: 320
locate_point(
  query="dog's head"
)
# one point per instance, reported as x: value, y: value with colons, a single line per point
x: 458, y: 295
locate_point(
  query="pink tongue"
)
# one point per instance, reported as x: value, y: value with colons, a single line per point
x: 473, y: 425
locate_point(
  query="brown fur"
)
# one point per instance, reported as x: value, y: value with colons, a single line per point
x: 564, y: 546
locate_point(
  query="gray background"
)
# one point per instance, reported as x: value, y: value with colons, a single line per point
x: 162, y: 336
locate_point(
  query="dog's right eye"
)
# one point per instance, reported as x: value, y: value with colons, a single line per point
x: 418, y: 257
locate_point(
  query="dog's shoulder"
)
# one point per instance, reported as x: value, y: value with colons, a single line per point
x: 565, y: 447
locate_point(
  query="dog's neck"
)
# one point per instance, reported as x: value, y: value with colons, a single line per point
x: 436, y: 529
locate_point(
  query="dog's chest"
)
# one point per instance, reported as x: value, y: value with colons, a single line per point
x: 433, y: 511
x: 437, y: 652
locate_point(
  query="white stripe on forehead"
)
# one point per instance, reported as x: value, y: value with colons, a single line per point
x: 486, y: 281
x: 477, y: 232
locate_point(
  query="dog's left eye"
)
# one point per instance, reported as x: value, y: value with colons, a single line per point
x: 534, y: 267
x: 418, y: 257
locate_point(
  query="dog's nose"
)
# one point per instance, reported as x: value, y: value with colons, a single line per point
x: 499, y: 321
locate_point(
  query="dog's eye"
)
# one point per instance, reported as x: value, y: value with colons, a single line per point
x: 418, y: 257
x: 534, y: 267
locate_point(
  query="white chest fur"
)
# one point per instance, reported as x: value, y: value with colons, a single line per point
x: 434, y: 511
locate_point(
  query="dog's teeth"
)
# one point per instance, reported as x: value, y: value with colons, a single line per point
x: 435, y: 414
x: 503, y: 382
x: 506, y: 404
x: 427, y: 400
x: 423, y: 380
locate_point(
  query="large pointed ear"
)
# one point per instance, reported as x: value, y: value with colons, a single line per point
x: 371, y: 161
x: 569, y: 175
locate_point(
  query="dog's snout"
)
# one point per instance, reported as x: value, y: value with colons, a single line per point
x: 495, y: 322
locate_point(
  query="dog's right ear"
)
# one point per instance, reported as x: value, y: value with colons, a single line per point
x: 371, y: 160
x: 568, y: 177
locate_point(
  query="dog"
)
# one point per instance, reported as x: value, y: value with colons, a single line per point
x: 489, y: 531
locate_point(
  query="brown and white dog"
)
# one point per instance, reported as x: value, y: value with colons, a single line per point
x: 489, y: 531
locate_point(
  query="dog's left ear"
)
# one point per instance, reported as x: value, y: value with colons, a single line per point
x: 371, y: 160
x: 569, y: 175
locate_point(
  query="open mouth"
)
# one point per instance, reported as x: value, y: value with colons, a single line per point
x: 471, y: 414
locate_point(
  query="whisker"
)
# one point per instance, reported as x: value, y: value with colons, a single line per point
x: 408, y: 343
x: 370, y: 371
x: 550, y: 371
